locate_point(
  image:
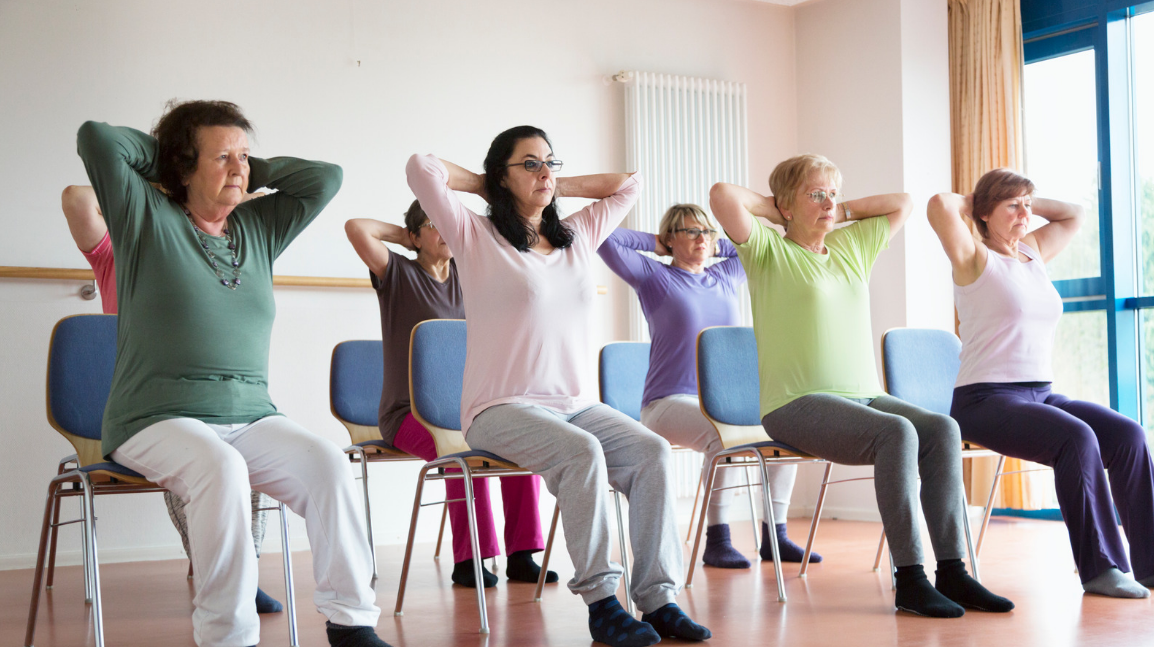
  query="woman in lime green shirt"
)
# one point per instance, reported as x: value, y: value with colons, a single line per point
x: 819, y: 386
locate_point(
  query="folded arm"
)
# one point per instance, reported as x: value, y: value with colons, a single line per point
x: 368, y: 237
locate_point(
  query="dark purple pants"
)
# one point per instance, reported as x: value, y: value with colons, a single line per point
x: 1079, y: 440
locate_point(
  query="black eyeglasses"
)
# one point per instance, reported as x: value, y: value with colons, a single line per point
x: 693, y: 233
x: 535, y: 165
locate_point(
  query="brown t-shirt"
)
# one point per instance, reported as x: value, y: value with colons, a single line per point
x: 408, y: 296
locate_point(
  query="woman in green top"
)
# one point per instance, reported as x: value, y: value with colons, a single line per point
x: 189, y: 406
x: 819, y: 386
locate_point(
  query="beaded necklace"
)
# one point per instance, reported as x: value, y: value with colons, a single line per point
x: 200, y: 236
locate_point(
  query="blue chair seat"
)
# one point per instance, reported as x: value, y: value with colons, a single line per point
x: 112, y: 468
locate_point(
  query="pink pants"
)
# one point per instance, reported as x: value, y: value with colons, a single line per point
x: 519, y: 494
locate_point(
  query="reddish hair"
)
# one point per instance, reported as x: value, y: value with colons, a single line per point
x: 994, y: 187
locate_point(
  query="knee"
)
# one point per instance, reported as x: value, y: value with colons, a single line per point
x: 1132, y: 437
x: 655, y: 449
x: 946, y: 432
x: 327, y: 460
x: 222, y: 469
x: 587, y: 453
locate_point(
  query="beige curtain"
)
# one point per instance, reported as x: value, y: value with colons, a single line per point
x: 986, y: 133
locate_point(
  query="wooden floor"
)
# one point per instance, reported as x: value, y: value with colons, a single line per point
x: 841, y: 603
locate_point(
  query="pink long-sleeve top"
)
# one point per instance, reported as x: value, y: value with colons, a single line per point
x: 527, y: 314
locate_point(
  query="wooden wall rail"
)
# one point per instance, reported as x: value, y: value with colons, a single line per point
x: 295, y: 281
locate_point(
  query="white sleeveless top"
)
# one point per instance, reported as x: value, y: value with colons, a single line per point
x: 1007, y: 320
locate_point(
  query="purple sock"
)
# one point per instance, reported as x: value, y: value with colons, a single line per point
x: 719, y: 551
x: 790, y: 552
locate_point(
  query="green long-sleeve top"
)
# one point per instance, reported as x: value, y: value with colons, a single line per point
x: 187, y: 346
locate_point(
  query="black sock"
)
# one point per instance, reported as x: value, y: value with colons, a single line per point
x: 790, y: 552
x: 915, y: 595
x: 956, y: 584
x: 522, y: 568
x: 463, y: 575
x: 610, y: 624
x: 343, y: 636
x: 265, y: 603
x: 671, y: 622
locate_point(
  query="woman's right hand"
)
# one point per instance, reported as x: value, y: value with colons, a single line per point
x: 659, y: 247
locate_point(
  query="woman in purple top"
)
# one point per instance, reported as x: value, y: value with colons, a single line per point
x: 1008, y: 311
x: 679, y: 300
x: 412, y: 291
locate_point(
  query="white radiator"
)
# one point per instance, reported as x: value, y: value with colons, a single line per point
x: 684, y: 135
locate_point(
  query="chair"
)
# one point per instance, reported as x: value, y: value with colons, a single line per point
x: 436, y: 375
x: 81, y: 358
x: 356, y: 376
x: 621, y: 369
x: 728, y: 388
x: 920, y: 366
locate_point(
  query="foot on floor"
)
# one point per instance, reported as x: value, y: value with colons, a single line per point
x: 1116, y: 584
x: 463, y: 575
x: 790, y: 552
x: 342, y: 636
x: 952, y: 581
x: 719, y: 551
x: 522, y: 568
x: 671, y: 622
x: 265, y: 603
x: 612, y: 625
x: 916, y: 595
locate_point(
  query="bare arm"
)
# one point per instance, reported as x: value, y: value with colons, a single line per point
x: 736, y: 206
x: 368, y: 235
x: 946, y: 213
x: 1065, y: 219
x: 461, y: 179
x: 85, y: 221
x: 596, y: 187
x: 896, y: 207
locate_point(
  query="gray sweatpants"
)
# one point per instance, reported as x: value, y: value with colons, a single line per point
x: 901, y: 441
x: 580, y: 456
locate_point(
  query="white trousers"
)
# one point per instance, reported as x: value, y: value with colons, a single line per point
x: 213, y: 468
x: 678, y: 419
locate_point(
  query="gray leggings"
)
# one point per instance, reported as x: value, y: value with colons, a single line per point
x: 901, y: 441
x: 579, y: 456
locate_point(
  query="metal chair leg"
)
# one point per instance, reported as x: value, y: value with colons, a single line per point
x: 34, y: 606
x: 441, y: 532
x: 696, y: 497
x: 89, y: 524
x: 990, y: 504
x: 476, y: 546
x: 767, y: 503
x: 52, y: 529
x: 707, y: 492
x: 881, y: 549
x: 85, y: 552
x: 409, y: 545
x: 816, y: 519
x: 359, y: 452
x: 752, y: 510
x: 548, y: 553
x: 970, y: 539
x: 624, y: 554
x: 290, y: 594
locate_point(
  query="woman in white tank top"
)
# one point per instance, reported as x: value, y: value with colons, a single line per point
x: 1007, y: 313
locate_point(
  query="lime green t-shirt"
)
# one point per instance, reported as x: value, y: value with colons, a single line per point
x: 811, y: 312
x: 187, y: 346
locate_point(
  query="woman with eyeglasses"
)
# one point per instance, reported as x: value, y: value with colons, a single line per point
x: 819, y: 384
x: 530, y: 393
x: 411, y: 291
x: 679, y: 301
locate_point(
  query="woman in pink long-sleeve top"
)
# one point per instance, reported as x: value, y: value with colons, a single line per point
x: 529, y: 393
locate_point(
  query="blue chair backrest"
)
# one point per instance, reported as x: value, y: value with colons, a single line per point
x: 727, y: 378
x: 81, y: 361
x: 356, y: 376
x: 621, y: 369
x: 921, y: 366
x: 437, y: 371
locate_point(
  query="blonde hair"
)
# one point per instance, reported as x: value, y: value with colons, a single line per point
x: 791, y: 175
x: 675, y: 217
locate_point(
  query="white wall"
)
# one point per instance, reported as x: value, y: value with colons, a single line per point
x: 441, y: 76
x: 873, y: 96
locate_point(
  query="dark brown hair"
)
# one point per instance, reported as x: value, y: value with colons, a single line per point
x: 414, y: 218
x: 503, y: 207
x: 176, y: 136
x: 994, y: 187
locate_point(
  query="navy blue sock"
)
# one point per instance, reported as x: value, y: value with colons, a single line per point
x: 610, y: 624
x: 790, y: 552
x: 955, y: 583
x: 916, y: 595
x: 463, y: 575
x: 344, y: 636
x: 671, y: 622
x: 265, y: 603
x: 719, y: 551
